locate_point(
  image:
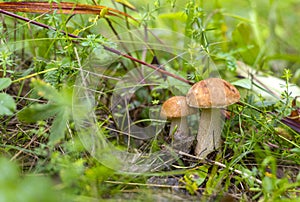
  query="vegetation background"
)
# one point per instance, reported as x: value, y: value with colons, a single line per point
x: 44, y: 157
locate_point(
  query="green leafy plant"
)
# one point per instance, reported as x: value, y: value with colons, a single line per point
x: 6, y: 61
x: 274, y: 188
x: 194, y: 179
x: 59, y: 106
x: 7, y: 103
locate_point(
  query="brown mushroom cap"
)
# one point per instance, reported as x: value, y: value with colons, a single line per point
x: 176, y: 107
x: 212, y: 93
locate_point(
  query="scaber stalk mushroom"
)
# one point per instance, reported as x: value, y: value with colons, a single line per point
x: 210, y: 95
x: 176, y: 110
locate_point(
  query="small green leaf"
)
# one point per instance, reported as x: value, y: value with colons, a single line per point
x: 195, y: 178
x: 201, y: 174
x: 45, y: 90
x: 244, y: 83
x: 38, y: 112
x: 298, y: 177
x: 268, y: 184
x: 58, y: 127
x: 175, y: 86
x: 296, y: 150
x: 4, y: 83
x: 7, y: 104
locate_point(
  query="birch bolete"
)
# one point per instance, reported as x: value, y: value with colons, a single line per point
x: 210, y: 95
x: 176, y: 110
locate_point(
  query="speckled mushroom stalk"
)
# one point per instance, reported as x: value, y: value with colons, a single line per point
x: 209, y: 132
x: 177, y: 110
x: 210, y: 95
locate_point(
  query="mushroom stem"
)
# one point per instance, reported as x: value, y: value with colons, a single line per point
x: 181, y: 124
x: 181, y: 138
x: 209, y: 132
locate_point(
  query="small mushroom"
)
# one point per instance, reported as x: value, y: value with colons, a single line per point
x: 177, y: 110
x: 210, y: 95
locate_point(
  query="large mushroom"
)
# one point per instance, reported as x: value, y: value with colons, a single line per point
x: 210, y: 95
x: 176, y: 110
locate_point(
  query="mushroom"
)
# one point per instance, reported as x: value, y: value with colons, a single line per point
x: 176, y: 110
x: 210, y: 95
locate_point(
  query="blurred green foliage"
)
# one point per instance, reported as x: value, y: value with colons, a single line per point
x: 14, y: 187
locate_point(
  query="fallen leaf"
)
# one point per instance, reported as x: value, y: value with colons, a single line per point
x: 293, y: 120
x: 295, y: 114
x: 60, y: 8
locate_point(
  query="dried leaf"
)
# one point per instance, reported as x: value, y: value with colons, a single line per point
x: 293, y: 120
x: 268, y: 86
x: 292, y: 124
x: 60, y: 8
x: 295, y: 114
